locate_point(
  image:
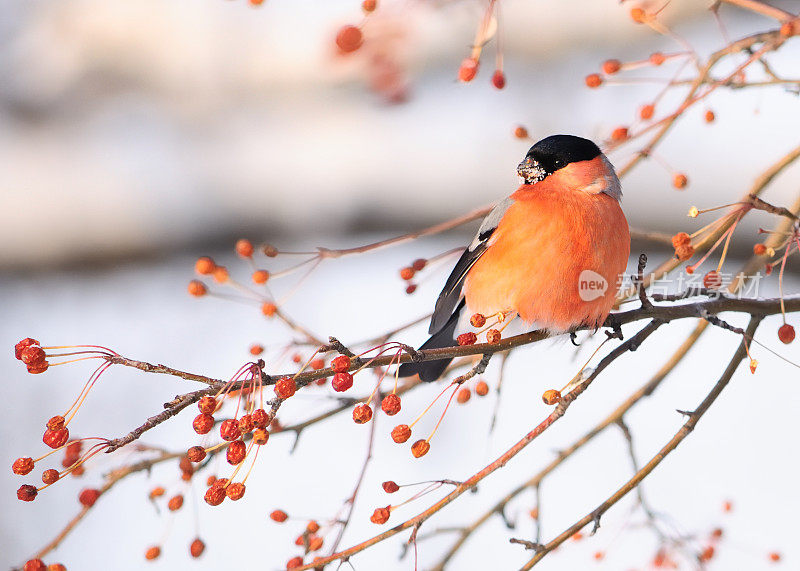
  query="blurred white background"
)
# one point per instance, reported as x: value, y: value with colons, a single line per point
x: 135, y: 136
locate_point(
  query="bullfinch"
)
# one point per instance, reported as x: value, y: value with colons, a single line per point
x: 551, y: 253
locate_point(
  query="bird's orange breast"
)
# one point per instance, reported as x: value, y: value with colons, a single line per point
x: 555, y: 258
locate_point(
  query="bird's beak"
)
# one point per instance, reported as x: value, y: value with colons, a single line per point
x: 530, y: 170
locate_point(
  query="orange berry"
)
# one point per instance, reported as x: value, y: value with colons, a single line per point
x: 315, y: 543
x: 712, y: 280
x: 611, y: 66
x: 245, y: 248
x: 34, y: 565
x: 638, y: 15
x: 599, y: 555
x: 362, y: 413
x: 493, y: 337
x: 463, y: 395
x: 380, y: 515
x: 577, y: 536
x: 551, y: 396
x: 196, y: 454
x: 175, y: 503
x: 619, y: 134
x: 278, y: 516
x: 593, y: 80
x: 681, y: 239
x: 152, y: 553
x: 646, y: 111
x: 390, y: 487
x: 235, y: 491
x: 789, y: 29
x: 520, y: 132
x: 221, y: 274
x: 727, y: 506
x: 477, y: 320
x: 774, y: 556
x: 56, y: 567
x: 197, y: 288
x: 260, y: 436
x: 786, y: 333
x: 391, y: 404
x: 481, y: 389
x: 499, y: 79
x: 680, y: 181
x: 269, y: 309
x: 683, y: 253
x: 716, y: 533
x: 260, y: 276
x: 707, y: 554
x: 22, y: 466
x: 369, y: 6
x: 294, y: 562
x: 709, y: 116
x: 401, y: 433
x: 157, y: 492
x: 420, y: 448
x: 407, y: 273
x: 285, y: 388
x: 468, y: 338
x: 349, y: 39
x: 468, y: 70
x: 204, y: 266
x: 657, y: 58
x: 197, y: 547
x: 759, y: 249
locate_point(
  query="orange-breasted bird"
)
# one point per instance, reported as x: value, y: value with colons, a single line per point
x: 551, y: 253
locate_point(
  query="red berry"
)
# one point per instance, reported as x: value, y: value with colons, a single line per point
x: 786, y: 333
x: 419, y: 264
x: 380, y: 515
x: 22, y: 466
x: 411, y: 288
x: 204, y: 266
x: 401, y: 433
x: 712, y: 280
x: 50, y: 476
x: 294, y: 562
x: 362, y: 413
x: 391, y: 404
x: 32, y: 355
x: 285, y: 388
x: 260, y: 418
x: 237, y: 450
x: 88, y: 497
x: 349, y: 39
x: 27, y: 493
x: 34, y: 565
x: 477, y: 320
x: 246, y: 424
x: 203, y: 423
x: 341, y: 382
x: 420, y: 448
x: 759, y: 249
x: 197, y: 547
x: 25, y: 343
x: 593, y: 80
x: 611, y: 66
x: 468, y: 70
x: 317, y: 364
x: 235, y: 491
x: 56, y: 438
x: 37, y: 368
x: 499, y: 79
x: 214, y: 495
x: 278, y: 516
x: 196, y: 454
x: 468, y: 338
x: 341, y: 364
x: 229, y: 430
x: 244, y: 248
x: 390, y: 487
x: 207, y: 404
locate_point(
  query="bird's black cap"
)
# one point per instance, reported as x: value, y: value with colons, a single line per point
x: 557, y: 151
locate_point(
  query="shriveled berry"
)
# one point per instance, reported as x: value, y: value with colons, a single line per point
x: 683, y: 253
x: 611, y: 66
x: 50, y: 476
x: 278, y: 516
x: 235, y: 491
x: 380, y: 515
x: 152, y: 553
x: 390, y: 486
x: 420, y: 448
x: 22, y: 345
x: 56, y: 438
x: 786, y: 333
x: 463, y: 395
x: 419, y: 264
x: 341, y: 382
x: 349, y: 39
x: 391, y: 404
x: 593, y: 80
x: 493, y: 337
x: 34, y: 565
x: 468, y: 70
x: 197, y: 547
x: 203, y: 423
x: 646, y: 111
x: 477, y: 320
x: 207, y: 404
x: 362, y: 413
x: 27, y: 493
x: 196, y: 454
x: 499, y: 79
x: 245, y: 248
x: 246, y: 423
x: 237, y: 450
x: 341, y: 364
x: 229, y: 430
x: 551, y: 396
x: 285, y: 388
x: 260, y: 418
x: 681, y: 239
x: 37, y: 368
x: 88, y: 496
x: 32, y: 355
x: 481, y: 388
x: 401, y: 433
x: 204, y: 266
x: 468, y: 338
x: 680, y: 181
x: 215, y: 495
x: 175, y: 503
x: 712, y: 280
x: 22, y: 466
x: 260, y: 436
x: 197, y: 288
x: 269, y: 309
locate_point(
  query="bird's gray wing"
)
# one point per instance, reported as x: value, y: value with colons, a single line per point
x: 451, y: 293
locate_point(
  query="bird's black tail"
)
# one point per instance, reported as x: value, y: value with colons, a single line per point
x: 431, y: 370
